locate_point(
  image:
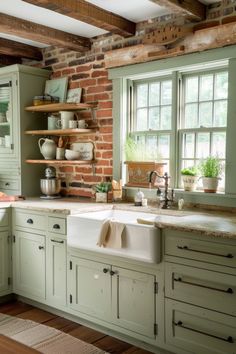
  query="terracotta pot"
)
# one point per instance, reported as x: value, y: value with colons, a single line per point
x: 210, y: 184
x: 139, y: 172
x: 190, y: 182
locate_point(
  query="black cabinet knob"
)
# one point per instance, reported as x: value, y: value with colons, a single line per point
x: 105, y: 270
x: 29, y: 221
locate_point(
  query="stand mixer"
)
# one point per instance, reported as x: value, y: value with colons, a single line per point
x: 50, y: 185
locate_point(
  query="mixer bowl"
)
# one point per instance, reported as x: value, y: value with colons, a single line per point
x: 51, y: 186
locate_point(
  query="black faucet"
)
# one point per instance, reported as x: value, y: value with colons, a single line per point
x: 165, y: 199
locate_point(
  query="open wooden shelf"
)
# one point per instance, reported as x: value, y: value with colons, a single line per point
x: 54, y: 107
x: 61, y: 162
x: 62, y: 131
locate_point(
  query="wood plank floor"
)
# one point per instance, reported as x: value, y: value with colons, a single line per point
x: 100, y: 340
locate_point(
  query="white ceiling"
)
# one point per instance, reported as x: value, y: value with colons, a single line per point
x: 134, y: 10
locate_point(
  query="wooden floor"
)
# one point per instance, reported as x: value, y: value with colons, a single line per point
x: 100, y: 340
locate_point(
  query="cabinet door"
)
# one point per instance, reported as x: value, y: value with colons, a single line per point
x: 133, y: 301
x: 56, y: 271
x: 4, y: 261
x: 198, y: 330
x: 90, y: 287
x: 29, y: 264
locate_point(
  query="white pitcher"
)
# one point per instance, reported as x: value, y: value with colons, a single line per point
x: 47, y: 148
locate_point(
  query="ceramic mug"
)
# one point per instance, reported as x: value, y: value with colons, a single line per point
x: 82, y: 124
x: 60, y: 153
x: 52, y: 122
x: 73, y: 124
x: 66, y: 116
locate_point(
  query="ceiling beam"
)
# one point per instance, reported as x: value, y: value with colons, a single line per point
x: 19, y: 50
x: 84, y: 11
x: 192, y: 9
x: 43, y: 34
x: 9, y: 60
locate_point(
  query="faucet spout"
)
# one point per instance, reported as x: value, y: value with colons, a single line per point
x: 166, y: 178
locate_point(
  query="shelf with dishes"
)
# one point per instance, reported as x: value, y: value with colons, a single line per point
x: 63, y: 132
x: 55, y: 107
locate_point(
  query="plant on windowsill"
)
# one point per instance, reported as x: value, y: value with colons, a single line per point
x: 211, y: 169
x: 140, y: 162
x: 102, y: 189
x: 189, y: 178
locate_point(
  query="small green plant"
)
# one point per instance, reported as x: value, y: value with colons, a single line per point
x: 211, y: 167
x: 103, y: 187
x: 138, y: 151
x: 189, y: 171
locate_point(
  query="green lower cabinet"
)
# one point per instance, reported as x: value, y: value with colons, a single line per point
x: 29, y: 265
x: 4, y: 263
x: 56, y: 271
x: 123, y: 297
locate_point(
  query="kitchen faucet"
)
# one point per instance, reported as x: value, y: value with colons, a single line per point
x: 165, y: 199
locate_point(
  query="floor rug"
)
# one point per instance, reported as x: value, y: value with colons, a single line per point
x: 43, y: 338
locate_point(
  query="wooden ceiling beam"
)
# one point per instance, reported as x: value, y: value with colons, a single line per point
x: 20, y: 50
x: 43, y: 34
x: 84, y: 11
x: 9, y: 60
x: 192, y: 9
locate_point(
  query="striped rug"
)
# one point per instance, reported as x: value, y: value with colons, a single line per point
x: 43, y: 338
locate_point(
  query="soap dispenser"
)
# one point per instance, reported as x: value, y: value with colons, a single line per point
x: 138, y: 198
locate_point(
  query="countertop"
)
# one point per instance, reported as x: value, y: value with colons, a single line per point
x: 209, y: 223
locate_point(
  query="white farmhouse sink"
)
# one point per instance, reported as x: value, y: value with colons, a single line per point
x: 140, y: 242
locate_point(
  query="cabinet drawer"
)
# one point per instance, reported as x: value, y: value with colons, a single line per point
x: 213, y: 290
x: 30, y: 221
x: 57, y: 225
x: 183, y: 244
x: 4, y: 220
x: 198, y: 330
x: 9, y: 184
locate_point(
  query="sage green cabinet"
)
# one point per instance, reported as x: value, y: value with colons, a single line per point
x: 18, y: 85
x: 124, y: 297
x: 29, y: 265
x: 5, y: 253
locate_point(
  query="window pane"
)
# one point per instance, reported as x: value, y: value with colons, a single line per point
x: 188, y: 163
x: 154, y: 94
x: 165, y: 118
x: 218, y: 144
x: 191, y: 116
x: 142, y: 119
x: 205, y: 114
x: 142, y: 95
x: 140, y: 139
x: 221, y: 85
x: 164, y: 146
x: 206, y: 88
x: 203, y: 145
x: 166, y: 92
x: 220, y: 113
x: 188, y: 145
x: 154, y: 118
x: 191, y: 89
x: 151, y: 149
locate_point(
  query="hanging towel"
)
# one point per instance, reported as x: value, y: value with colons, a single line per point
x: 111, y: 234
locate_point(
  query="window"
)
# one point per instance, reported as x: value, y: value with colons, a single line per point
x: 152, y: 119
x: 203, y: 117
x: 196, y: 129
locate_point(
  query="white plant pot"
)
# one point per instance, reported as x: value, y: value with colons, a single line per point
x: 190, y: 182
x: 210, y: 184
x: 101, y: 197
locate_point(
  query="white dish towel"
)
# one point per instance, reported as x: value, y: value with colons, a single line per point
x: 111, y: 234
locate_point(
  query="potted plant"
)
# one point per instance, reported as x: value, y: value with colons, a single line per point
x: 189, y: 178
x: 140, y: 162
x: 210, y: 168
x: 101, y: 191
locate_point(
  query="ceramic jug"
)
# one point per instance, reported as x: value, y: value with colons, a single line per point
x: 47, y: 148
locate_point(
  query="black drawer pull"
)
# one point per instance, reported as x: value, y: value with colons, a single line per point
x: 229, y: 339
x: 56, y: 241
x: 7, y: 184
x: 41, y: 247
x: 112, y: 273
x: 56, y: 226
x: 186, y: 248
x: 29, y: 221
x: 105, y: 270
x: 228, y: 291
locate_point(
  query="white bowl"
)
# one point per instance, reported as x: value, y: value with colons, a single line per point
x: 72, y: 155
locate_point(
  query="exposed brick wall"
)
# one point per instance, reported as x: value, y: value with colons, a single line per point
x: 88, y: 72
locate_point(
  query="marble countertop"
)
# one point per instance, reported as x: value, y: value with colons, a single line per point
x: 209, y: 223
